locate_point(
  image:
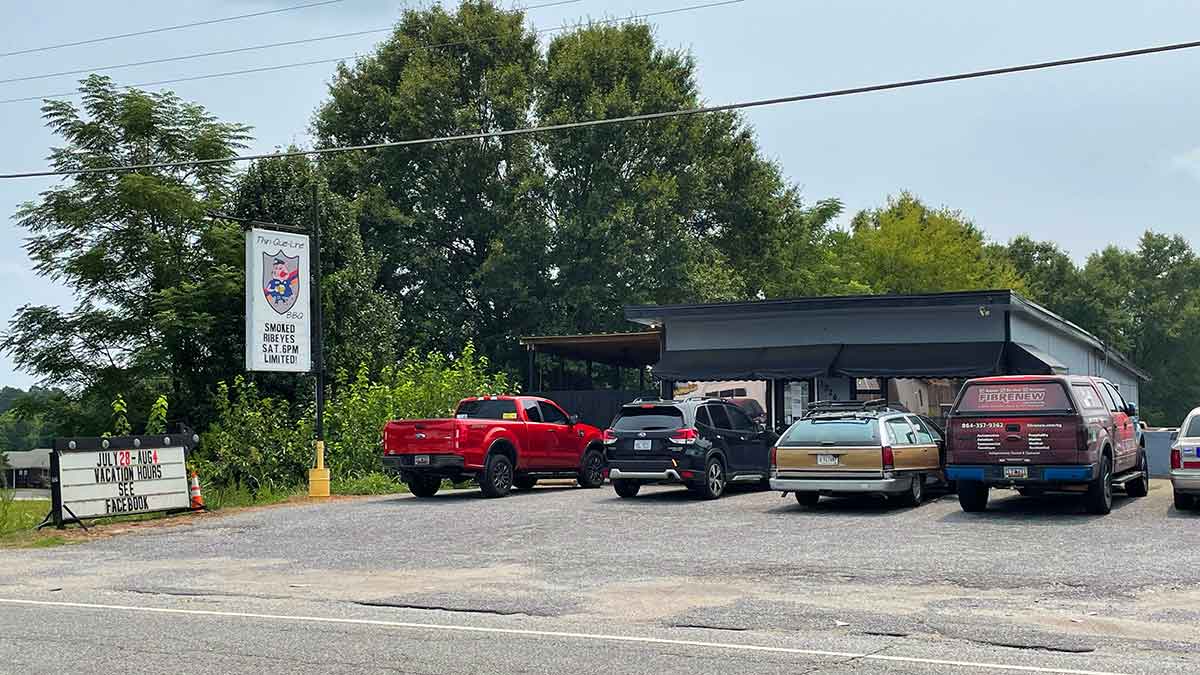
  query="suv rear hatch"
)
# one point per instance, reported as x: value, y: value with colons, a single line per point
x: 822, y: 445
x: 645, y: 431
x: 1030, y: 422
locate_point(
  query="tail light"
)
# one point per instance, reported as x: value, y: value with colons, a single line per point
x: 686, y: 436
x: 1082, y: 437
x: 609, y: 437
x: 889, y: 460
x: 774, y: 450
x: 458, y: 433
x: 1176, y: 458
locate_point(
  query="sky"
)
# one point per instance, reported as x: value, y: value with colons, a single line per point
x: 1086, y: 156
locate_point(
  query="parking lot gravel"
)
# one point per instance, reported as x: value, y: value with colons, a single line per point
x: 1032, y: 582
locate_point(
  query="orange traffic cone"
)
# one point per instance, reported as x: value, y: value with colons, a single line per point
x: 194, y: 490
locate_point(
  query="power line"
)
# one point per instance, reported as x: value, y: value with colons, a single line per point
x: 298, y: 64
x: 165, y: 29
x: 1108, y: 56
x: 237, y: 50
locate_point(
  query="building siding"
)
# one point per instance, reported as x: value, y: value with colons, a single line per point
x: 1080, y: 357
x: 883, y: 327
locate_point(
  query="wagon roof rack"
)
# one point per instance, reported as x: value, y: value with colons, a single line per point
x: 833, y: 407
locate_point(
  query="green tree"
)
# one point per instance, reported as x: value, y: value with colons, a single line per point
x: 134, y: 248
x: 441, y: 217
x: 907, y: 247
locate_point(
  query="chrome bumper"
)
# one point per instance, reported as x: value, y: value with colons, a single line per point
x: 1186, y: 482
x: 669, y: 474
x: 884, y: 485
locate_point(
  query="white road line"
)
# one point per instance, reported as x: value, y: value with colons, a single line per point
x: 561, y: 634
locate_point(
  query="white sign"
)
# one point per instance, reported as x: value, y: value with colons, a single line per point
x: 277, y: 306
x: 116, y: 482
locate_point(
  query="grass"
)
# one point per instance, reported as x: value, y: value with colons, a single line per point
x: 17, y: 520
x: 238, y: 496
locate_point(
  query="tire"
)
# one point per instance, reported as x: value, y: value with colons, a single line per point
x: 916, y: 492
x: 808, y: 499
x: 424, y: 486
x: 1098, y: 499
x: 522, y: 482
x: 591, y: 470
x: 1139, y: 487
x: 1184, y: 502
x: 497, y: 478
x: 626, y: 488
x: 972, y: 496
x: 714, y: 480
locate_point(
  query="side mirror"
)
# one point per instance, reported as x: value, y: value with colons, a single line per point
x: 573, y: 420
x: 1131, y: 409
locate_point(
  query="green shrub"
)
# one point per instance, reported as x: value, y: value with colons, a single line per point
x: 421, y: 386
x: 239, y: 495
x: 254, y: 442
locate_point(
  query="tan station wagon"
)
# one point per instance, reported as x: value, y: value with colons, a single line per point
x: 858, y: 448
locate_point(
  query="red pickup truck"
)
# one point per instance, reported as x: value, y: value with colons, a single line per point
x: 504, y: 441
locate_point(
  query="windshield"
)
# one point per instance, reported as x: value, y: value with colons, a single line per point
x: 1191, y: 428
x: 1014, y: 397
x: 658, y: 418
x: 831, y: 432
x: 487, y: 410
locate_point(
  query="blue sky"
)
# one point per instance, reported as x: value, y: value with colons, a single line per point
x: 1085, y: 156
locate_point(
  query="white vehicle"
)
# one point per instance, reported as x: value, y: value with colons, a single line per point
x: 1185, y: 462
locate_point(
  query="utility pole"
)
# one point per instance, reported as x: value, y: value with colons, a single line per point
x: 318, y: 477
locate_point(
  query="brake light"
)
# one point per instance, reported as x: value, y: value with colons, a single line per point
x: 687, y: 475
x: 889, y: 460
x: 686, y: 436
x: 1176, y: 458
x: 609, y: 437
x: 1082, y: 437
x: 774, y: 450
x: 457, y: 437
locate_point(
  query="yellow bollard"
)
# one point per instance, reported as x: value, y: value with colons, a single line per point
x: 318, y: 478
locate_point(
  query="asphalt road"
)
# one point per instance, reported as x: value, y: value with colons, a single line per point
x: 570, y: 580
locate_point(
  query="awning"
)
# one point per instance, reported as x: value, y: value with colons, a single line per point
x: 1024, y: 359
x: 767, y: 363
x: 927, y: 360
x: 632, y: 350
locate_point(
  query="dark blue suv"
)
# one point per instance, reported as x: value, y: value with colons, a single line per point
x: 703, y: 443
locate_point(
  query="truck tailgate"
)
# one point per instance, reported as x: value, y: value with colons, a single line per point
x: 1038, y: 439
x: 405, y: 437
x: 798, y: 461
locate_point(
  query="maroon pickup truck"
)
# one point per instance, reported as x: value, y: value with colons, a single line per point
x: 1037, y: 433
x: 504, y: 441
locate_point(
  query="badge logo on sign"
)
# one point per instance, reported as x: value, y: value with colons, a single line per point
x: 281, y: 280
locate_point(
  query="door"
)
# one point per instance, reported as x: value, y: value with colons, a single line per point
x: 539, y: 437
x: 907, y: 452
x: 927, y: 442
x: 746, y: 443
x: 721, y: 431
x: 562, y: 452
x: 1126, y: 453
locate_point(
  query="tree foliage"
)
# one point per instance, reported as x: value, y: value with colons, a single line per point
x: 129, y: 246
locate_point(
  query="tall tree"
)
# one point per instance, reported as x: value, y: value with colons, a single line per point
x: 131, y: 246
x: 441, y: 216
x: 907, y: 247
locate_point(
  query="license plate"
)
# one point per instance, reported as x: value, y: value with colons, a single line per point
x: 1016, y: 472
x: 420, y: 459
x: 826, y: 460
x: 641, y: 445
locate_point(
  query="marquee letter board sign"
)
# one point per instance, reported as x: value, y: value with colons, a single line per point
x: 100, y: 477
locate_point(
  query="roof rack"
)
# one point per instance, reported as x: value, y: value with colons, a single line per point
x: 874, y: 405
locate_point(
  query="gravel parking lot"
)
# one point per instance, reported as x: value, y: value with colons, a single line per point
x: 562, y: 579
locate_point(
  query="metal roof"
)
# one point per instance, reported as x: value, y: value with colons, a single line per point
x: 633, y: 350
x: 31, y: 459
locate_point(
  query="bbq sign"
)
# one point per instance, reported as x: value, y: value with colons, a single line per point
x: 99, y: 477
x: 277, y: 306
